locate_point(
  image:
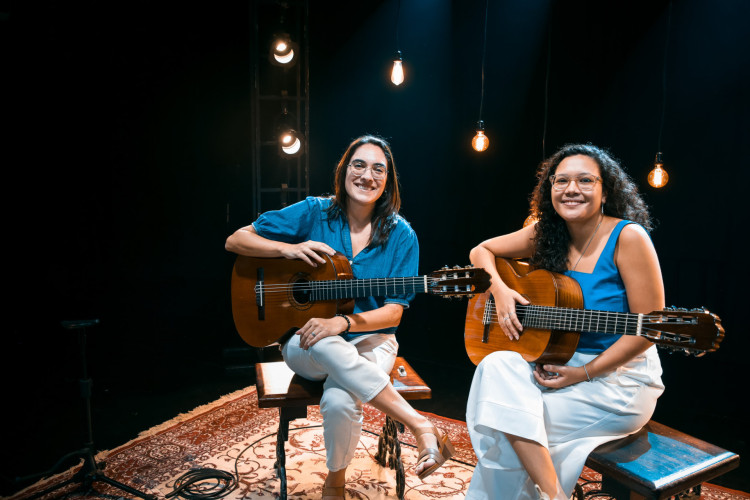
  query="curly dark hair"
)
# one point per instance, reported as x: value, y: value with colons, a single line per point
x: 551, y: 236
x: 389, y: 203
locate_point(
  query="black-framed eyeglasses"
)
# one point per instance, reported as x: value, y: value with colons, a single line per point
x: 585, y: 182
x: 379, y: 171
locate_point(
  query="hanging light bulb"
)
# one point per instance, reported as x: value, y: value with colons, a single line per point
x: 658, y: 177
x: 397, y: 73
x: 480, y: 142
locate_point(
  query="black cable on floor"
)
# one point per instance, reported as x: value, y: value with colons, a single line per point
x: 193, y: 486
x: 197, y: 484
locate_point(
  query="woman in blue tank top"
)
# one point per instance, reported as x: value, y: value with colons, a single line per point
x: 532, y: 426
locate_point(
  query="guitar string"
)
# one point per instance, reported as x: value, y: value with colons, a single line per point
x: 345, y: 284
x: 562, y: 315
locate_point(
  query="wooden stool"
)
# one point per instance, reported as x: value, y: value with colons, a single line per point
x: 658, y: 462
x: 279, y: 387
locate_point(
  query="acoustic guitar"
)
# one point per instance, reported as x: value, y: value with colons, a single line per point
x: 553, y: 320
x: 273, y: 297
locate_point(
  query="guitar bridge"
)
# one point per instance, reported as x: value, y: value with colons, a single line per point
x: 260, y: 295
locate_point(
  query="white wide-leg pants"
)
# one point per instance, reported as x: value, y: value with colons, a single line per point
x: 570, y: 422
x: 354, y: 372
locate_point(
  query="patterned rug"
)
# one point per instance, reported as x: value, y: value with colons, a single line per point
x: 235, y: 436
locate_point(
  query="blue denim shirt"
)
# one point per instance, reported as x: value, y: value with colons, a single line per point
x: 308, y: 220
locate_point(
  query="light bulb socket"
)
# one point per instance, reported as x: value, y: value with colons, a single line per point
x: 658, y: 161
x: 480, y: 125
x: 398, y: 57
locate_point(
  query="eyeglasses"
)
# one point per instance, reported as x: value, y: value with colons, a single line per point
x: 378, y: 170
x: 585, y: 182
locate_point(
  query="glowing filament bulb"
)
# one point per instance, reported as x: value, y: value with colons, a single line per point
x: 480, y: 142
x: 658, y: 177
x: 397, y: 73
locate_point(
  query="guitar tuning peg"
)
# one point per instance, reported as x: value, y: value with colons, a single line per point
x: 456, y: 267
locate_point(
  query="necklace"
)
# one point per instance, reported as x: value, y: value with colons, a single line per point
x: 589, y: 243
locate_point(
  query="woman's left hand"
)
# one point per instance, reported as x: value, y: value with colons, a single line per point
x: 319, y: 328
x: 558, y: 376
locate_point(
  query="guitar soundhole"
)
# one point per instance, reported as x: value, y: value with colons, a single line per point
x: 300, y: 292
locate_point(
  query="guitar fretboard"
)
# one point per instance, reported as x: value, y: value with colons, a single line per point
x: 355, y: 288
x: 573, y: 320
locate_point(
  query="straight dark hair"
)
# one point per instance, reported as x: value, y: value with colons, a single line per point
x: 389, y: 203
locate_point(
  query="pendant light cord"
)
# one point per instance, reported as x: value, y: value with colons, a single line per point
x: 398, y: 15
x: 546, y: 90
x: 484, y: 54
x: 664, y: 76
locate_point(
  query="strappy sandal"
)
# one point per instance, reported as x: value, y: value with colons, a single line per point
x: 333, y: 491
x: 443, y: 452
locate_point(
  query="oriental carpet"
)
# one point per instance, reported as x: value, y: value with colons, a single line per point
x: 233, y: 435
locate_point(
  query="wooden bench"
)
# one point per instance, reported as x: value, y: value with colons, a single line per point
x: 658, y: 462
x: 279, y: 387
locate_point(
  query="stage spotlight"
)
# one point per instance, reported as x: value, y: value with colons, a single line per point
x: 282, y: 51
x: 290, y: 143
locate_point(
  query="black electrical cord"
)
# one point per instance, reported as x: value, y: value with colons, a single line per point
x: 195, y: 485
x: 204, y: 483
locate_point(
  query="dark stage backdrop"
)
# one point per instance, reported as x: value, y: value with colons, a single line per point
x: 126, y: 153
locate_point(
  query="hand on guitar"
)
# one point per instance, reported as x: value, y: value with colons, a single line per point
x: 320, y: 328
x: 505, y: 304
x: 558, y: 376
x: 308, y: 251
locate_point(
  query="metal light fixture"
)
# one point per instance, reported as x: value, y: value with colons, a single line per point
x: 282, y: 52
x: 290, y: 140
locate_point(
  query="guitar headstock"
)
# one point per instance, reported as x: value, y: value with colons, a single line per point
x: 695, y: 331
x: 458, y: 281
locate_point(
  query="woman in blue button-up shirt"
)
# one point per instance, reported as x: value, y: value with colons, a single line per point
x: 354, y: 353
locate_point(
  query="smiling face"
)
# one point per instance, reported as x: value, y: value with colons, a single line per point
x: 572, y: 203
x: 365, y: 189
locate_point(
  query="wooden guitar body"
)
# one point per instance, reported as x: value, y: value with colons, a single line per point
x: 553, y: 320
x: 483, y: 335
x: 274, y: 297
x: 277, y: 315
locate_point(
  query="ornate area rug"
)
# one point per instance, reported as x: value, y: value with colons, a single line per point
x: 235, y: 436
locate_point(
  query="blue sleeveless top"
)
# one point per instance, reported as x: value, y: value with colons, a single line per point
x: 603, y: 290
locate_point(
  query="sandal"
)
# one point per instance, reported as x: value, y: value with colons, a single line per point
x: 333, y: 491
x: 444, y: 451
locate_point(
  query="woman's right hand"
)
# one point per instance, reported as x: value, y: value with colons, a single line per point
x: 308, y: 251
x: 505, y: 306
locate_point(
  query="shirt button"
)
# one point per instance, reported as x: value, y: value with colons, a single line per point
x: 350, y: 262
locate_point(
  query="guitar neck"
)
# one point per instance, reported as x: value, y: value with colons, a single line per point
x: 356, y: 288
x: 574, y: 320
x: 582, y: 320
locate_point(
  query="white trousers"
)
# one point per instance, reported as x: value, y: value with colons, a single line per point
x: 354, y: 372
x: 570, y: 422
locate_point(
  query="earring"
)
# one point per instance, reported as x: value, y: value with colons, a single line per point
x: 602, y: 208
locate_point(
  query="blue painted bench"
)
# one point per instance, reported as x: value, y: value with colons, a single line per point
x: 658, y: 462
